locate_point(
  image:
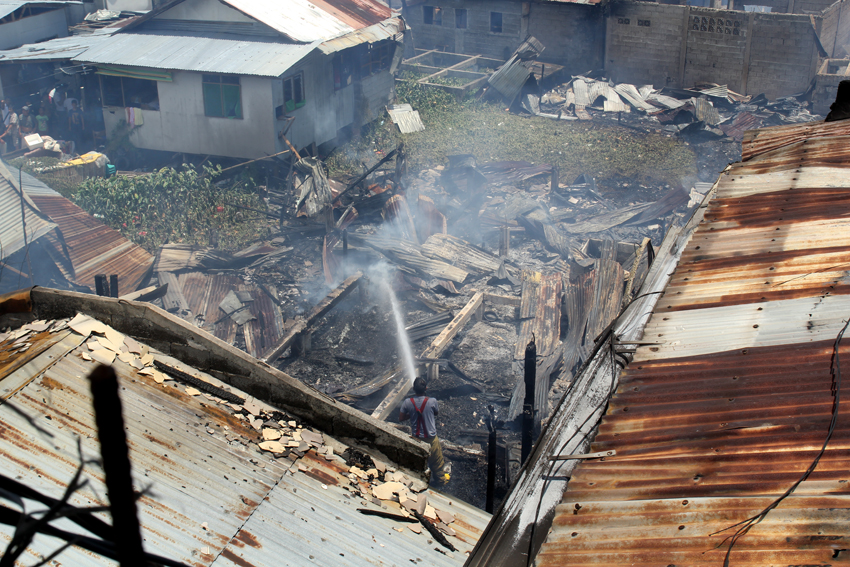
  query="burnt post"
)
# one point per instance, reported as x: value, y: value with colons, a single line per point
x: 101, y: 285
x: 345, y: 252
x: 528, y: 404
x: 504, y: 241
x: 113, y: 285
x: 491, y: 461
x: 116, y: 466
x: 553, y: 183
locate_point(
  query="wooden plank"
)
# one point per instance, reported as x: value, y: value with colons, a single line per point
x: 174, y: 300
x: 441, y: 341
x: 400, y: 388
x: 328, y: 303
x: 147, y: 294
x: 540, y: 311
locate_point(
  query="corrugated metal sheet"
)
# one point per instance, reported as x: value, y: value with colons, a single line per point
x: 742, y: 122
x: 217, y: 54
x: 308, y: 21
x: 56, y: 49
x: 388, y: 29
x: 12, y: 235
x: 215, y: 498
x: 757, y: 142
x: 9, y: 6
x: 705, y: 111
x: 92, y: 247
x: 510, y: 78
x: 407, y: 119
x: 728, y: 407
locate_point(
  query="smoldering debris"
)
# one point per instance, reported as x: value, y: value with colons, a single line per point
x: 704, y: 112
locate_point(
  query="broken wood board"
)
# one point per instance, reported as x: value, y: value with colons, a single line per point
x: 605, y: 221
x: 460, y: 253
x: 540, y: 313
x: 408, y: 257
x: 328, y: 303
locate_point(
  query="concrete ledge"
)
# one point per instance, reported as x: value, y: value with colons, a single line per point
x: 198, y: 348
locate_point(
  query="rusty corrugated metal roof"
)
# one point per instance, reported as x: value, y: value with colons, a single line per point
x: 12, y: 236
x: 215, y: 498
x: 92, y: 247
x: 732, y: 402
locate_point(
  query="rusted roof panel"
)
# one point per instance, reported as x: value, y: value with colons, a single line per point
x: 93, y: 248
x: 305, y: 21
x: 732, y: 400
x: 215, y: 499
x: 757, y: 142
x: 743, y: 122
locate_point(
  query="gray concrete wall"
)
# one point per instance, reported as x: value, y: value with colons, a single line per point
x: 716, y: 56
x: 641, y: 54
x: 783, y: 57
x: 774, y: 54
x: 574, y: 34
x: 34, y: 29
x: 835, y: 29
x: 476, y: 39
x: 129, y: 5
x: 181, y: 126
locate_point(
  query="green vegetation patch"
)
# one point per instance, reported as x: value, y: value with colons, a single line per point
x: 177, y: 206
x: 490, y: 133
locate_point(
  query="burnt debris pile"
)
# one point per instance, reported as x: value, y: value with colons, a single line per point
x: 702, y: 113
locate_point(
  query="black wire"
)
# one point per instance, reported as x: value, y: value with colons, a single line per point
x: 745, y: 525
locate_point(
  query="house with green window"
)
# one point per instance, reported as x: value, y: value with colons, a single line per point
x: 235, y: 78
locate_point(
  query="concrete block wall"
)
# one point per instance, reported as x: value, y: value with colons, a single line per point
x: 835, y: 29
x: 643, y: 54
x: 829, y: 27
x: 574, y: 34
x: 717, y: 41
x: 811, y: 6
x: 783, y: 56
x: 476, y: 39
x: 778, y: 60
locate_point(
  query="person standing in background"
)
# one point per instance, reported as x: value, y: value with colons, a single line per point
x: 10, y: 134
x: 26, y: 125
x: 42, y: 121
x: 76, y: 125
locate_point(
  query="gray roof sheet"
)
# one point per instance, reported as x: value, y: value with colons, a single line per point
x: 9, y: 6
x: 203, y: 466
x: 11, y: 228
x: 211, y: 54
x: 59, y: 48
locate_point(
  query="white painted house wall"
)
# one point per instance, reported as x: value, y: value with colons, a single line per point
x: 34, y: 29
x: 181, y: 125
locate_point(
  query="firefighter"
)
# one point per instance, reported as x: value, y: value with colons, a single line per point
x: 421, y: 411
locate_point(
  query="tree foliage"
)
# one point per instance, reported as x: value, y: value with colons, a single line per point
x: 171, y: 205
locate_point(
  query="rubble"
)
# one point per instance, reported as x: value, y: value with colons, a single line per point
x: 701, y: 113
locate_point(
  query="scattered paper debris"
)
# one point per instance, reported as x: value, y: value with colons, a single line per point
x: 192, y: 391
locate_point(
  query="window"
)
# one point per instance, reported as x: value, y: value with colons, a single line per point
x: 343, y: 69
x: 432, y: 15
x: 222, y: 96
x: 125, y: 91
x: 293, y: 92
x: 378, y: 57
x: 496, y: 22
x: 460, y: 18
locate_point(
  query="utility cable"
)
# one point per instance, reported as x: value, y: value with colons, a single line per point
x: 745, y: 525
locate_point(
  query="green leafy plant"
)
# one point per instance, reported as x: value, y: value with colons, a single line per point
x: 176, y: 206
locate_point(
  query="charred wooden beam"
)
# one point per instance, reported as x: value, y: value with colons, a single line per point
x: 147, y: 294
x: 528, y: 407
x: 442, y: 341
x: 319, y: 311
